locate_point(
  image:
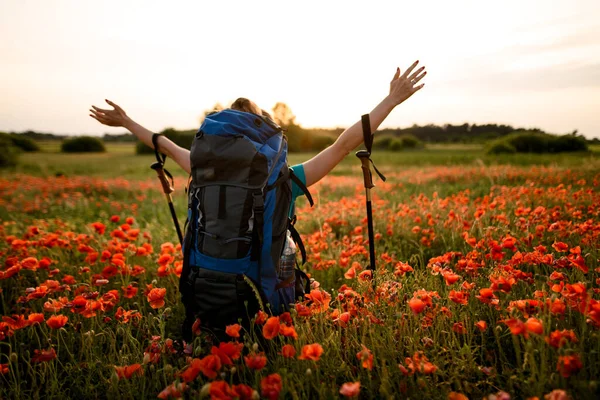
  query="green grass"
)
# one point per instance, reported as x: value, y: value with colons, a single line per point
x: 120, y: 160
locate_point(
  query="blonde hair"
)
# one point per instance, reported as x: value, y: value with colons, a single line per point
x: 243, y: 104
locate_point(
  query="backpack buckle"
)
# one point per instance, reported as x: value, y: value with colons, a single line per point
x: 259, y: 202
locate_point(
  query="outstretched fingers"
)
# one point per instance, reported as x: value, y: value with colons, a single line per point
x: 116, y: 107
x: 409, y: 70
x: 415, y: 80
x: 416, y: 73
x: 417, y: 88
x: 397, y: 74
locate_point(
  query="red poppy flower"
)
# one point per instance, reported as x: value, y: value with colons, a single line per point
x: 174, y: 390
x: 128, y: 371
x: 569, y: 365
x: 481, y: 325
x: 36, y: 318
x: 458, y: 327
x: 156, y: 297
x: 560, y: 247
x: 255, y: 361
x: 270, y: 386
x: 416, y: 305
x: 271, y: 328
x: 57, y: 321
x: 365, y: 357
x: 228, y: 351
x: 261, y: 318
x: 233, y: 330
x: 210, y: 365
x: 311, y: 352
x: 288, y: 351
x: 196, y: 327
x: 319, y: 300
x: 350, y: 389
x: 43, y: 355
x: 192, y: 371
x: 129, y: 291
x: 557, y: 339
x: 534, y: 325
x: 288, y: 331
x: 459, y: 297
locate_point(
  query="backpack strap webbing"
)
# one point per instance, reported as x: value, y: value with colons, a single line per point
x: 302, y: 187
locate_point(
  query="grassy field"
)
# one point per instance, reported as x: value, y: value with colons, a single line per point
x: 120, y: 160
x: 487, y: 285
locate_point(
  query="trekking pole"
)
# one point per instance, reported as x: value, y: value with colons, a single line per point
x: 365, y: 159
x: 167, y: 186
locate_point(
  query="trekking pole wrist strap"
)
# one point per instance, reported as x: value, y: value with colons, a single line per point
x: 368, y: 139
x: 160, y: 159
x: 159, y: 156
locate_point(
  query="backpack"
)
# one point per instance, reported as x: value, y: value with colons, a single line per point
x: 238, y: 223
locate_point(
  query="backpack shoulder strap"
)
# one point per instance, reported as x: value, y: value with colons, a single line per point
x: 302, y: 187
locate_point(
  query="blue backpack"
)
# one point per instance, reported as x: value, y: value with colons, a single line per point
x: 238, y: 222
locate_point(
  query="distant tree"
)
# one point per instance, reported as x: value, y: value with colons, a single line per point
x: 282, y: 114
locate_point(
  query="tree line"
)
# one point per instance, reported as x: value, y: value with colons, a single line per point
x: 314, y: 139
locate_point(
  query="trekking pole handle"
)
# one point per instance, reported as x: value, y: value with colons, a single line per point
x: 167, y: 188
x: 365, y: 159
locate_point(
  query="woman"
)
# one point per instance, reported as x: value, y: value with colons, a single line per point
x: 401, y: 88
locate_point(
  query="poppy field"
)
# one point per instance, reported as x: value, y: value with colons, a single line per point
x: 487, y: 287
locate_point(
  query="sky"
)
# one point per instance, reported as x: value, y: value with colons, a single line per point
x: 526, y: 63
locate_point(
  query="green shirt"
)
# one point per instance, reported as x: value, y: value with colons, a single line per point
x: 296, y: 191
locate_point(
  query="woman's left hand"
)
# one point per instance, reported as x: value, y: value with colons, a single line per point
x: 405, y: 85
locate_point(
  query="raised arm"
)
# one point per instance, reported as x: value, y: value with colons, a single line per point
x: 401, y: 88
x: 118, y: 117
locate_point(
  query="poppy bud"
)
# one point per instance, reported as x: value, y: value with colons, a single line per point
x: 205, y: 391
x: 13, y: 357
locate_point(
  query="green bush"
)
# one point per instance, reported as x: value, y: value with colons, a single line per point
x: 382, y: 142
x: 501, y: 147
x: 143, y: 148
x: 396, y: 144
x: 24, y: 143
x: 9, y: 153
x: 568, y: 143
x: 529, y: 142
x: 537, y: 142
x: 83, y: 144
x: 410, y: 142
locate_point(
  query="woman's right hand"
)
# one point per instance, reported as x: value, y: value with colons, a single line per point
x: 116, y: 117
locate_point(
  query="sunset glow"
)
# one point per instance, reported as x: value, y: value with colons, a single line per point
x: 526, y: 64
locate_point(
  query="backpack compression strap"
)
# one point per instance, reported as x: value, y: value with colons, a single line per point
x: 368, y: 139
x: 258, y: 208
